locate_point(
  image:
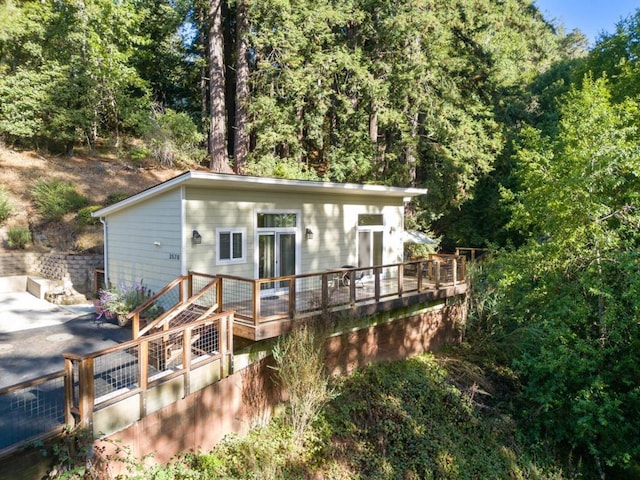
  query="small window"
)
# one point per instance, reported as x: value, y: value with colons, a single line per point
x: 279, y: 220
x: 231, y: 245
x: 370, y: 220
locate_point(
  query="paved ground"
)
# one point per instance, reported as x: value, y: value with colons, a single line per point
x: 34, y: 334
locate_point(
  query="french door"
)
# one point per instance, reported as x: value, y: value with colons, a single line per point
x: 369, y: 248
x: 276, y: 257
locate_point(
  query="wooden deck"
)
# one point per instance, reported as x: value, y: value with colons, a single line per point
x: 264, y: 308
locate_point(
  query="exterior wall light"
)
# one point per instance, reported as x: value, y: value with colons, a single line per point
x: 309, y: 234
x: 196, y: 238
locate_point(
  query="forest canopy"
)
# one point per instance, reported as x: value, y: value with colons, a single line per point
x: 410, y: 93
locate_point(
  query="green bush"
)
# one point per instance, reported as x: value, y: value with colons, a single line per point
x: 18, y: 237
x: 84, y: 215
x: 115, y: 197
x: 54, y: 198
x: 5, y: 206
x: 174, y: 140
x: 138, y: 154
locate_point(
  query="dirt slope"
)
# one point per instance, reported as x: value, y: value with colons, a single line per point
x: 95, y: 176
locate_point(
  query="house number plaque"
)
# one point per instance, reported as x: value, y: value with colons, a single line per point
x: 174, y: 256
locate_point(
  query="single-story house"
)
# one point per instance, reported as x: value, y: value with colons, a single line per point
x: 251, y: 227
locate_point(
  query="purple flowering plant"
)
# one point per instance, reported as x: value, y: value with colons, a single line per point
x: 122, y: 299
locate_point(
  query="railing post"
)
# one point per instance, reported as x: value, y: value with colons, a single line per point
x: 256, y: 303
x: 352, y: 287
x: 186, y: 359
x: 325, y: 291
x: 68, y: 392
x: 229, y: 319
x: 455, y: 271
x: 219, y: 296
x: 292, y: 296
x: 222, y: 339
x: 400, y: 279
x: 189, y: 284
x: 135, y: 326
x: 181, y: 291
x: 86, y: 393
x: 377, y: 271
x: 143, y: 374
x: 436, y: 265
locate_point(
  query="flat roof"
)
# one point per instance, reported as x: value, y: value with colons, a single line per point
x: 196, y: 178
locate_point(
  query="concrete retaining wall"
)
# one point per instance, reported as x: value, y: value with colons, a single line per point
x: 54, y: 266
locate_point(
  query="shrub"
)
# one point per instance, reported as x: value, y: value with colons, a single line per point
x: 84, y: 215
x: 18, y: 237
x: 301, y: 370
x: 54, y: 198
x: 5, y: 206
x: 174, y: 140
x: 121, y: 300
x: 115, y: 197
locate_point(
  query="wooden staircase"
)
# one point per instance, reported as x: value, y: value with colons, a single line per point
x: 168, y: 351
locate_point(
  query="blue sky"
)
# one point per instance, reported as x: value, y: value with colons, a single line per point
x: 592, y: 17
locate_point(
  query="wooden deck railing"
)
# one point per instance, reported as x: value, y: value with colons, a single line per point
x: 257, y: 301
x: 174, y: 298
x: 32, y: 410
x: 109, y: 379
x: 472, y: 253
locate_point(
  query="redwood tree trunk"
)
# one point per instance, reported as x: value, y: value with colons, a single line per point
x: 204, y: 92
x: 217, y: 131
x: 241, y: 137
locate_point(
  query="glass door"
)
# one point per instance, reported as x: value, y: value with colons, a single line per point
x: 276, y: 258
x: 370, y: 228
x: 369, y: 249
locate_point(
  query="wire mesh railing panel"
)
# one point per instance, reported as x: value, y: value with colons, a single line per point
x: 274, y: 299
x: 163, y: 303
x: 338, y: 289
x: 388, y: 281
x: 460, y: 271
x: 199, y: 282
x: 446, y: 270
x: 31, y: 411
x: 410, y: 277
x: 205, y: 341
x: 165, y: 355
x: 429, y: 270
x: 308, y: 293
x: 238, y: 295
x: 116, y: 371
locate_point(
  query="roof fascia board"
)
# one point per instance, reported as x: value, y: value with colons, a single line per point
x: 197, y: 178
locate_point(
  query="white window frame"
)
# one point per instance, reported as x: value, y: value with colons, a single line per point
x: 258, y: 230
x: 231, y: 231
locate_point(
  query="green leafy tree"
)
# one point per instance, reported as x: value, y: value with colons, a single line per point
x: 67, y: 68
x: 565, y: 302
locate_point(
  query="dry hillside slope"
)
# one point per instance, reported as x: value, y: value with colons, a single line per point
x: 94, y: 176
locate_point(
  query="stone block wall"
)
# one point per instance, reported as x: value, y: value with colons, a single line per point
x: 18, y: 263
x: 79, y: 268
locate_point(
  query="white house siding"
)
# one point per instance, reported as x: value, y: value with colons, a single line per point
x: 332, y: 218
x: 144, y: 242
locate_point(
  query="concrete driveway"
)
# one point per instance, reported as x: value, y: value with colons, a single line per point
x: 35, y: 333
